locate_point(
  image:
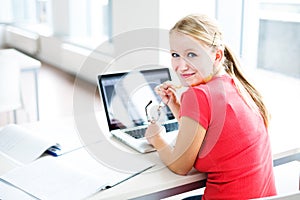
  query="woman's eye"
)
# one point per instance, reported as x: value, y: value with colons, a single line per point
x: 191, y: 55
x: 175, y: 55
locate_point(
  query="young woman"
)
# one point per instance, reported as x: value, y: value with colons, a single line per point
x: 222, y: 118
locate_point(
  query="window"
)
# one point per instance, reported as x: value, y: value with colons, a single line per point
x: 89, y: 22
x: 6, y: 15
x: 279, y: 69
x: 32, y: 15
x: 24, y: 11
x: 29, y: 11
x: 43, y: 11
x: 279, y: 43
x: 85, y: 23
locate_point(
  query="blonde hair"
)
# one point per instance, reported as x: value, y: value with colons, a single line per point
x: 207, y: 31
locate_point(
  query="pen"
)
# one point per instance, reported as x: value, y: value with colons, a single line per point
x: 54, y: 151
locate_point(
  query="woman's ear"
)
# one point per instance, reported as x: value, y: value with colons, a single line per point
x: 219, y: 55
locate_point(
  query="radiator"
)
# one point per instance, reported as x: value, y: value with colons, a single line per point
x: 83, y: 62
x: 25, y: 41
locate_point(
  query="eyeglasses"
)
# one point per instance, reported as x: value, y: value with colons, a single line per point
x: 146, y: 111
x: 158, y: 112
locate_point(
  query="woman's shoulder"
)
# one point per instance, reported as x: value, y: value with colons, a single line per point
x: 217, y: 85
x: 199, y: 91
x: 220, y: 84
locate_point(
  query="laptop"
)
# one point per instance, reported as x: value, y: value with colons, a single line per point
x: 125, y: 96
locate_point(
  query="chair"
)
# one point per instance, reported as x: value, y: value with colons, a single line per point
x: 293, y: 196
x: 10, y: 87
x: 287, y: 169
x: 287, y: 175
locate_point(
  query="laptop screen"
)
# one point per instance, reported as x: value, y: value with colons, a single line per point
x: 125, y: 95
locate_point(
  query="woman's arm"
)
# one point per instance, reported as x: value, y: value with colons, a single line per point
x: 180, y: 158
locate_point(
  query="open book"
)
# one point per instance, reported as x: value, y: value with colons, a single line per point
x: 24, y: 146
x: 75, y: 175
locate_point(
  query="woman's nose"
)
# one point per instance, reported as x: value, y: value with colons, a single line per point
x: 182, y: 64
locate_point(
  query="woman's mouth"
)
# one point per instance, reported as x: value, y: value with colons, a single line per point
x: 187, y: 75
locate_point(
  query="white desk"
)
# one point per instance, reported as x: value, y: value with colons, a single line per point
x: 155, y: 183
x: 26, y: 64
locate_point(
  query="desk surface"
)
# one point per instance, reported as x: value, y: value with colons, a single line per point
x: 156, y: 182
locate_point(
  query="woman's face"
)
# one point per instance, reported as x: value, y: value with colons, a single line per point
x: 191, y: 61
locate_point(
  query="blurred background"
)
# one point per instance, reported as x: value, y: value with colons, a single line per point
x: 61, y: 34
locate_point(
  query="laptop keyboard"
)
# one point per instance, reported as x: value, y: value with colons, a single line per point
x: 171, y: 126
x: 137, y: 133
x: 140, y: 132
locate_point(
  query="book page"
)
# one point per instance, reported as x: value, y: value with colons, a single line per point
x: 8, y: 163
x: 9, y: 192
x: 75, y: 175
x: 50, y: 178
x: 22, y: 145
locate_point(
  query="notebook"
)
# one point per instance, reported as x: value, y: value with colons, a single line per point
x: 125, y: 96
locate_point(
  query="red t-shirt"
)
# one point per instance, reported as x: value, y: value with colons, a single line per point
x: 236, y: 152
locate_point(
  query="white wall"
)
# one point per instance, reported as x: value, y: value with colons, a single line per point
x: 250, y: 34
x: 128, y: 15
x: 60, y: 19
x: 171, y: 11
x: 234, y: 21
x: 130, y: 21
x: 229, y: 17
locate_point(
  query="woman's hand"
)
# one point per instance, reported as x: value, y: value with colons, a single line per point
x: 153, y: 134
x: 167, y: 92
